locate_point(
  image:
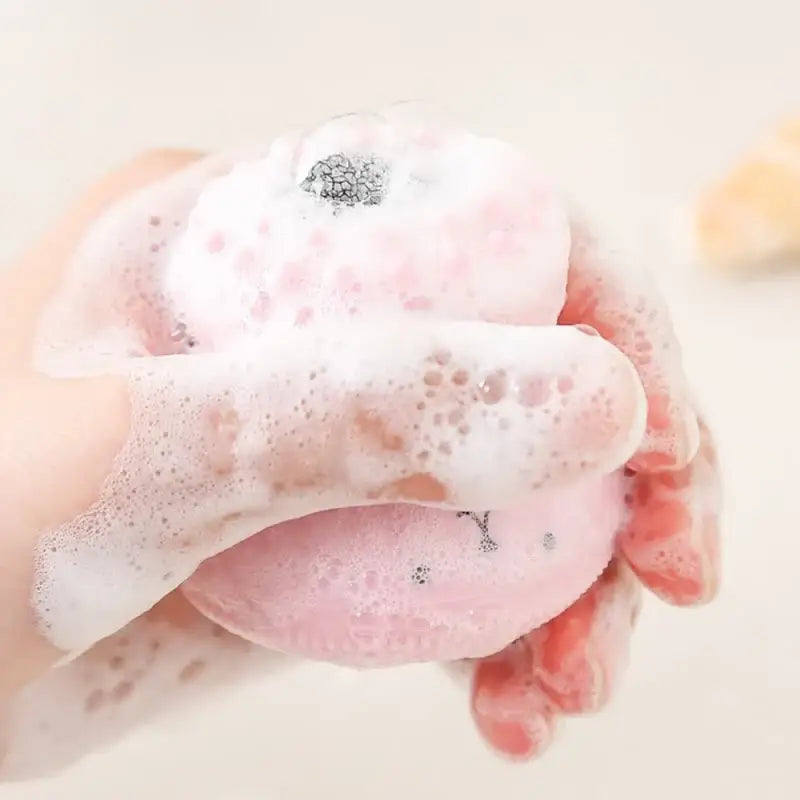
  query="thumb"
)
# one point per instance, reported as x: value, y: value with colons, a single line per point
x: 220, y: 446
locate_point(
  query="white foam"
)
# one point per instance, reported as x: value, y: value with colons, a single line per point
x: 217, y: 443
x: 277, y: 416
x: 464, y: 219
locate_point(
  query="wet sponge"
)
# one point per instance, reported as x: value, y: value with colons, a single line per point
x: 372, y: 218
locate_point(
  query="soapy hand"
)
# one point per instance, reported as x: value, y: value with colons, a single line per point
x: 238, y: 461
x: 207, y: 449
x: 670, y: 543
x: 123, y: 473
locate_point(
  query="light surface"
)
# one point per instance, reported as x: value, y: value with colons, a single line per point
x: 633, y: 103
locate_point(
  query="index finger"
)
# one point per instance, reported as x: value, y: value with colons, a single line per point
x: 608, y: 290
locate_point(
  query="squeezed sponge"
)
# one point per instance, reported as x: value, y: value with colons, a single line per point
x: 373, y: 218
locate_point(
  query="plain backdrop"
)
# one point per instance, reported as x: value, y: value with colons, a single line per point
x: 635, y: 104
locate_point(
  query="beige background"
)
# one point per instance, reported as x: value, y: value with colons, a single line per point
x: 635, y: 103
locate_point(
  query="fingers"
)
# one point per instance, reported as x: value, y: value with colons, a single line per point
x: 672, y: 539
x: 161, y: 663
x: 511, y: 712
x: 570, y: 665
x: 576, y: 659
x: 606, y: 290
x: 579, y: 656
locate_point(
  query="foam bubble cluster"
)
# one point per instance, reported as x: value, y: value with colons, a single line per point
x: 452, y: 225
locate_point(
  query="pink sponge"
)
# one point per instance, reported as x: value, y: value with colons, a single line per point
x: 374, y: 216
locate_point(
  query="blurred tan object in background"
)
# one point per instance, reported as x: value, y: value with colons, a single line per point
x: 750, y: 220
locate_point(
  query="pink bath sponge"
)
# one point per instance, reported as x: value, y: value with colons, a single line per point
x: 376, y: 217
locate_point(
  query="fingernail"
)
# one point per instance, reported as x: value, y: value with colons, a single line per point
x: 517, y: 740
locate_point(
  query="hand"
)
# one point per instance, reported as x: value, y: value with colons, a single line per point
x: 91, y: 435
x: 670, y: 543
